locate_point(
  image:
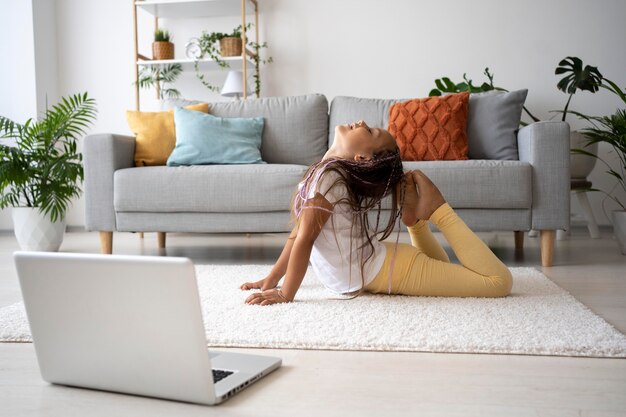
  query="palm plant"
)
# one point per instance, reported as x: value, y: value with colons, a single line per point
x: 160, y: 75
x: 44, y: 168
x: 612, y: 131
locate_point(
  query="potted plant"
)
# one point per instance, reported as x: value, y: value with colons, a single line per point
x: 162, y: 48
x: 160, y: 76
x: 612, y: 131
x: 229, y: 45
x: 42, y: 171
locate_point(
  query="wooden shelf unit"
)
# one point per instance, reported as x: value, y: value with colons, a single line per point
x: 235, y: 62
x: 176, y: 9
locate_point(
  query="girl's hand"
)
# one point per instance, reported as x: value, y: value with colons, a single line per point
x: 267, y: 298
x: 266, y: 283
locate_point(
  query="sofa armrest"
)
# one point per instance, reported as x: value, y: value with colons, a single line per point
x: 545, y: 145
x: 104, y: 154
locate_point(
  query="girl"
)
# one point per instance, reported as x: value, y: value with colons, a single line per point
x: 333, y: 230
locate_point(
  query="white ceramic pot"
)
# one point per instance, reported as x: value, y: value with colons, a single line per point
x: 35, y: 231
x: 581, y: 165
x: 619, y: 228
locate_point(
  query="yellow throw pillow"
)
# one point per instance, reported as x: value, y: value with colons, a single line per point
x: 155, y: 134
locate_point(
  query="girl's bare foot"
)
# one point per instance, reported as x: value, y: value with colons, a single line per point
x: 430, y: 198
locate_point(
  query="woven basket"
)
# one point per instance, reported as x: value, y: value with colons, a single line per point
x: 230, y: 46
x: 162, y: 50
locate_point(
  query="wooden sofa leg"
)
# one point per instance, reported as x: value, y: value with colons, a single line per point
x: 106, y: 243
x: 519, y: 242
x: 161, y: 239
x: 547, y: 246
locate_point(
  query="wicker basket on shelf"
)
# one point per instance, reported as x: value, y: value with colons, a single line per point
x: 230, y: 46
x: 162, y: 50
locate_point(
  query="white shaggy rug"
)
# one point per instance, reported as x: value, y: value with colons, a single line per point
x: 538, y: 318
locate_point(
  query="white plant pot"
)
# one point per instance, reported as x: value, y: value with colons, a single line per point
x: 35, y: 231
x: 581, y: 165
x: 619, y: 228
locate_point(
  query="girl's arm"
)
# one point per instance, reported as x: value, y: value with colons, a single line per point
x: 312, y: 221
x: 279, y: 269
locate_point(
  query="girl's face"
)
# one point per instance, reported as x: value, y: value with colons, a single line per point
x: 360, y: 142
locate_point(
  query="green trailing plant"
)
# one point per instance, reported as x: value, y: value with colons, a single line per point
x: 257, y: 63
x: 445, y: 85
x: 612, y: 131
x: 161, y: 76
x: 43, y: 169
x: 576, y: 78
x: 209, y: 48
x: 161, y: 35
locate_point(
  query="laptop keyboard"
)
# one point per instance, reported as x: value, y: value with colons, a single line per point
x: 218, y: 374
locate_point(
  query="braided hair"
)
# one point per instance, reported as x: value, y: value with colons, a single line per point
x: 367, y: 183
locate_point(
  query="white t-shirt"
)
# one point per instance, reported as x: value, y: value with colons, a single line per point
x: 331, y: 255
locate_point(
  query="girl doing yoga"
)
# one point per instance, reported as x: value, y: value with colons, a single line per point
x: 345, y: 246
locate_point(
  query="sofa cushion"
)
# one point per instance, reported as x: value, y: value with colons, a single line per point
x: 296, y: 128
x: 480, y: 183
x: 203, y: 139
x: 207, y: 188
x: 492, y: 123
x: 492, y: 120
x: 431, y: 129
x: 373, y: 111
x: 155, y: 134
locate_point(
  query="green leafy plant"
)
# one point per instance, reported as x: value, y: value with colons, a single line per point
x: 44, y: 169
x: 445, y: 85
x: 612, y: 131
x: 161, y: 35
x: 160, y: 75
x: 577, y: 77
x: 209, y: 47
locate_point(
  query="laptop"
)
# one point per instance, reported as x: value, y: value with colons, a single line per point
x: 128, y: 324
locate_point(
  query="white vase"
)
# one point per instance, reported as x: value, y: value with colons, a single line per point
x: 581, y: 165
x: 619, y: 228
x: 35, y: 231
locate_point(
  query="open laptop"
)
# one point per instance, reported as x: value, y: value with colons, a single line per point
x: 129, y: 324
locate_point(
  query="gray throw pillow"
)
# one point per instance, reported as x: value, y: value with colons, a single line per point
x: 492, y: 122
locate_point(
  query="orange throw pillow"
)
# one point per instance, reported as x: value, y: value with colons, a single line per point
x: 431, y: 129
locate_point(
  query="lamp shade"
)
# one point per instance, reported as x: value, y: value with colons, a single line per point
x: 233, y: 86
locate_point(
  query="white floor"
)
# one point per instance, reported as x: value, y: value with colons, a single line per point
x: 326, y: 383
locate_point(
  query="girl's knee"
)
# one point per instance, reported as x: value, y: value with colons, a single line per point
x: 504, y: 283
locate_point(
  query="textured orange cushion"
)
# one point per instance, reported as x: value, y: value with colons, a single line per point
x: 431, y: 129
x: 155, y: 134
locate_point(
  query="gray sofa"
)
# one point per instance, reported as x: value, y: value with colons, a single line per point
x: 529, y: 193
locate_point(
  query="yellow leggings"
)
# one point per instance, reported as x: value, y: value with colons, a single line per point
x: 424, y: 268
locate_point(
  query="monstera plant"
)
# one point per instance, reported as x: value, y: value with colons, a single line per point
x: 576, y: 78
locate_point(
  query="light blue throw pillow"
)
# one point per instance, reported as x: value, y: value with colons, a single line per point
x: 203, y: 139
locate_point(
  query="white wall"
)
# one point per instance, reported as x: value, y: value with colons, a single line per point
x: 45, y: 43
x: 28, y: 74
x: 365, y: 48
x: 17, y: 74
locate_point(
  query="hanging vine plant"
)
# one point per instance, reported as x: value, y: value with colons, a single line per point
x: 209, y: 48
